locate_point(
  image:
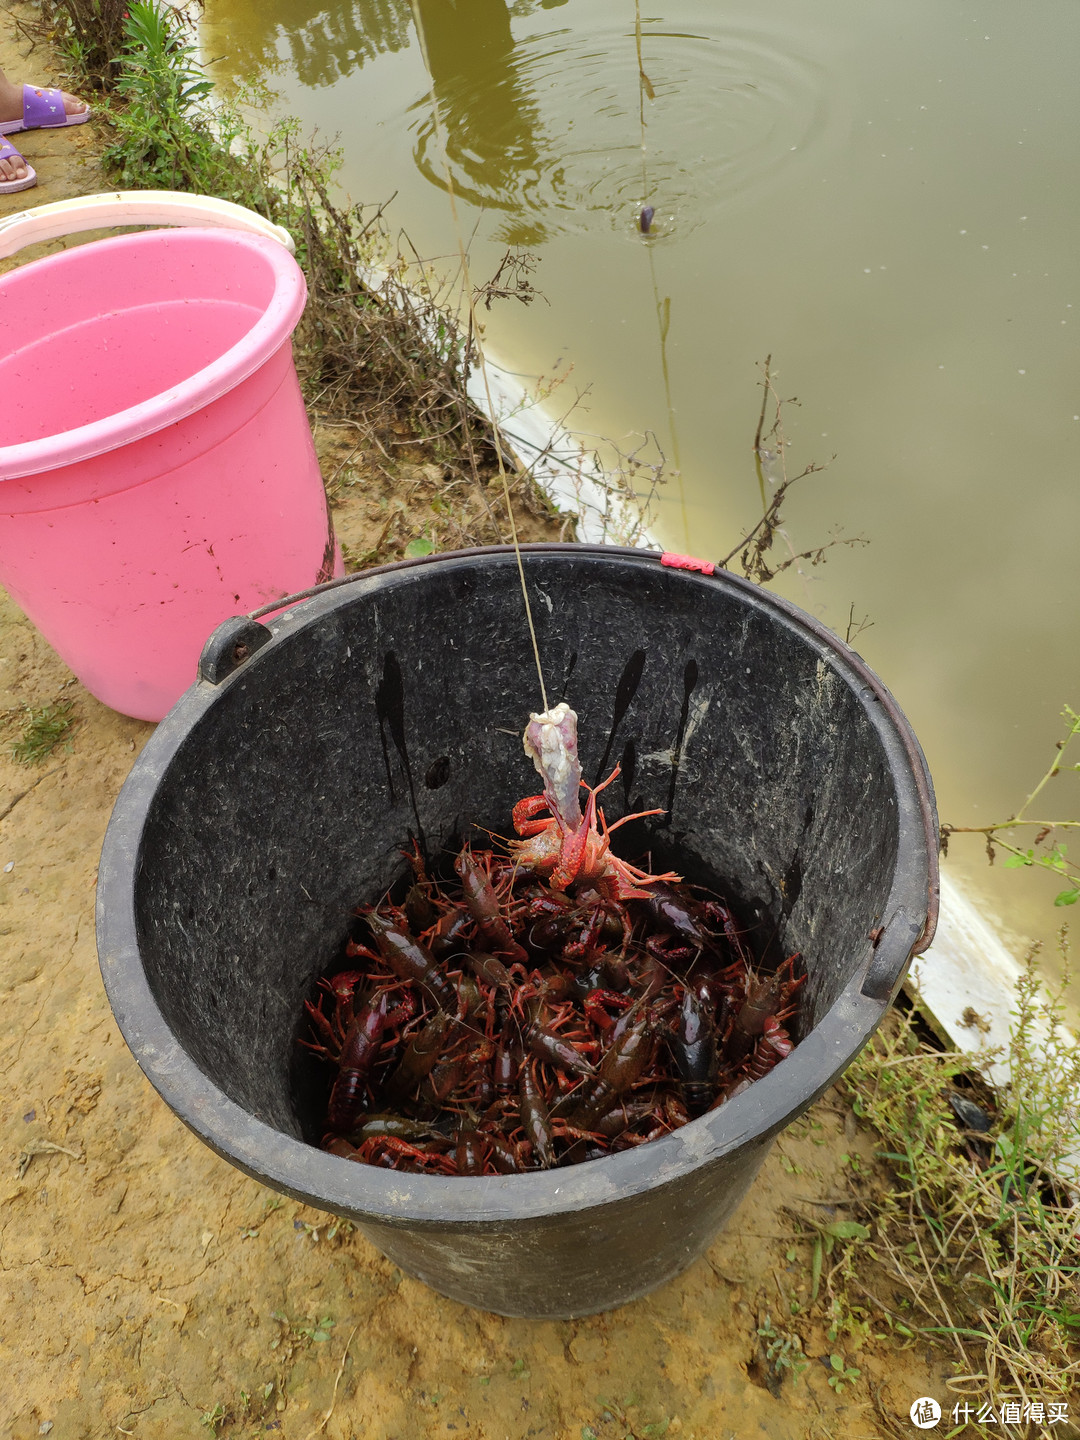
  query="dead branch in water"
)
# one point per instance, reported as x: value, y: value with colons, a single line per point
x: 769, y: 455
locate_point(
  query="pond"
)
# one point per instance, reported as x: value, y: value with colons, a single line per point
x: 879, y: 196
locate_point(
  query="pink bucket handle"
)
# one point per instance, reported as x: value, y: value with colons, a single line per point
x: 131, y: 207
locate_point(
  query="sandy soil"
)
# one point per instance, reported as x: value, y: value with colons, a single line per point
x: 148, y: 1289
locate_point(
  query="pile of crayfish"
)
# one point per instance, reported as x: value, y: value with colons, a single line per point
x: 552, y: 1004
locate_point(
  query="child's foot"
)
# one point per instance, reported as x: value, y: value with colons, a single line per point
x: 29, y: 107
x: 15, y: 173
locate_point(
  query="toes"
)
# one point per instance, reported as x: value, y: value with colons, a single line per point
x: 73, y: 105
x: 12, y: 169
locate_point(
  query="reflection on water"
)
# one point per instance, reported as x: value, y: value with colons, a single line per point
x: 319, y: 45
x: 872, y: 193
x: 489, y: 116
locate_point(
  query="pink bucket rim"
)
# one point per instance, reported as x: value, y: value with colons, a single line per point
x: 274, y: 326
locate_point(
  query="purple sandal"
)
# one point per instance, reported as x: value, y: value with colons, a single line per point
x: 43, y: 110
x: 9, y: 187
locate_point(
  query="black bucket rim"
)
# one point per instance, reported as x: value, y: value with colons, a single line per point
x: 368, y: 1193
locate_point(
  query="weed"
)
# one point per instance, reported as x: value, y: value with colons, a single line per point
x: 842, y: 1373
x: 845, y: 1318
x: 1047, y: 850
x: 980, y: 1238
x: 88, y: 33
x: 825, y: 1240
x: 612, y: 1411
x: 165, y: 135
x: 295, y: 1332
x: 334, y: 1227
x: 316, y: 1331
x: 249, y: 1408
x: 783, y: 1351
x: 43, y: 731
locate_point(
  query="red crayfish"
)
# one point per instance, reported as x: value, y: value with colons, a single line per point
x: 545, y: 1005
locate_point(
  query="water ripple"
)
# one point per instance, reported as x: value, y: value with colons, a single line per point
x: 547, y: 129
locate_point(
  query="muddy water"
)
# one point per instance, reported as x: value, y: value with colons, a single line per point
x: 879, y: 195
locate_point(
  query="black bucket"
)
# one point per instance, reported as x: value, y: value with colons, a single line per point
x: 283, y: 786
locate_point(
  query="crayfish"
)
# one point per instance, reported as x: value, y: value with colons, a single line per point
x: 570, y: 847
x: 544, y: 1003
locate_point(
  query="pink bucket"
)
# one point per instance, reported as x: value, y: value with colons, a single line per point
x: 157, y: 472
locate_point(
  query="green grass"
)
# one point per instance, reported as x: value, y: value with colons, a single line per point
x: 43, y: 730
x: 978, y: 1233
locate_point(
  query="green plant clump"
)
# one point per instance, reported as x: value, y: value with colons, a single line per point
x: 783, y: 1351
x: 979, y: 1233
x: 166, y: 138
x: 43, y: 732
x: 88, y: 33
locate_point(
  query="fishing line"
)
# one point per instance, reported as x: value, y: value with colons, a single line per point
x: 662, y: 309
x: 474, y: 330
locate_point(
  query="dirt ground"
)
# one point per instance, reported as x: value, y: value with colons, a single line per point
x: 149, y: 1289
